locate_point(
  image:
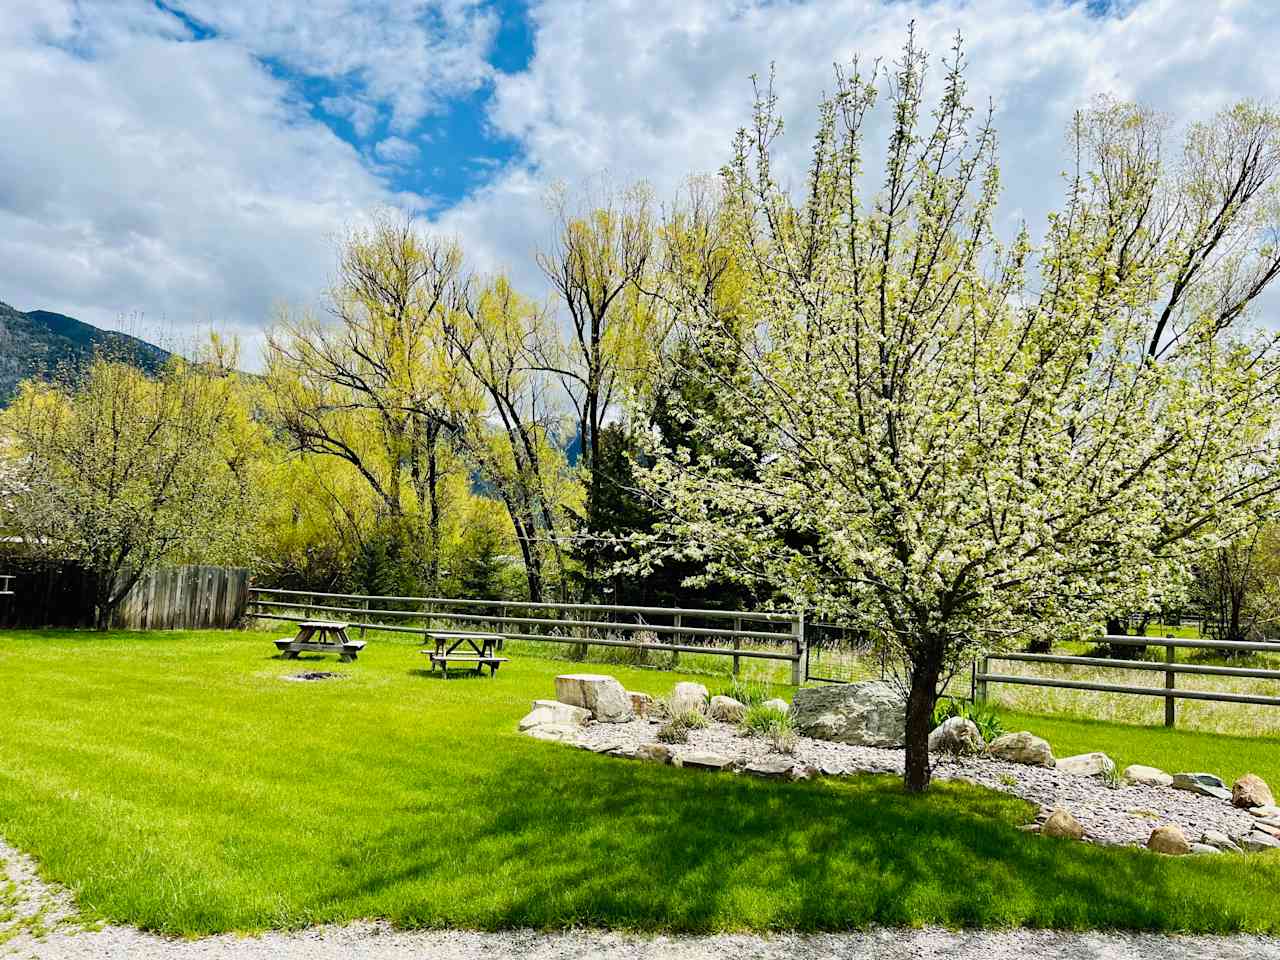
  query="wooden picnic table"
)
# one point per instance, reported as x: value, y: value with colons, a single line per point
x: 480, y: 654
x: 320, y: 636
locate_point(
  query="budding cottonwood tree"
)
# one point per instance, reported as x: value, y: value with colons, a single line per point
x: 965, y: 445
x: 373, y: 388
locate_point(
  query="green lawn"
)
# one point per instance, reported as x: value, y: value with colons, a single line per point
x: 172, y: 781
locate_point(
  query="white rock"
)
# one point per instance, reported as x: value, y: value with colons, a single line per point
x: 1256, y: 842
x: 689, y: 696
x: 1220, y: 841
x: 604, y: 696
x: 726, y: 709
x: 1087, y: 765
x: 563, y: 712
x: 1147, y: 776
x: 1200, y: 848
x: 556, y: 732
x: 777, y: 703
x: 956, y: 735
x: 1022, y: 747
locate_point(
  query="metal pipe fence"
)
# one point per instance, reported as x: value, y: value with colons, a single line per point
x: 982, y: 676
x: 773, y: 636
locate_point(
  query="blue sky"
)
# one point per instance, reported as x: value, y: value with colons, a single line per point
x: 196, y: 159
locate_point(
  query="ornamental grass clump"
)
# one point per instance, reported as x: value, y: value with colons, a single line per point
x: 983, y: 715
x: 748, y: 692
x: 676, y: 728
x: 771, y: 725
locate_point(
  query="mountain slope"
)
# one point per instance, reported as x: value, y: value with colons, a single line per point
x: 39, y: 343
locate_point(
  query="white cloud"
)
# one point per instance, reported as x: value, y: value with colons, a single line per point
x: 396, y: 151
x: 409, y: 54
x: 140, y: 172
x: 171, y: 179
x: 660, y: 95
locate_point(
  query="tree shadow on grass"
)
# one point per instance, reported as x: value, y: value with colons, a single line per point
x: 561, y: 838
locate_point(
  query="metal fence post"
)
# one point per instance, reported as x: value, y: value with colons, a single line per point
x: 799, y: 666
x: 1170, y: 703
x: 737, y: 628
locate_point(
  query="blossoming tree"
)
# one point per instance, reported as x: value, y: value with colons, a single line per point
x: 965, y: 444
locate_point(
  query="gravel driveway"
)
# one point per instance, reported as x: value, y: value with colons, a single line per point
x: 377, y: 941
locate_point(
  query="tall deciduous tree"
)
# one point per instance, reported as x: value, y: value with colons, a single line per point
x: 120, y: 471
x: 506, y: 420
x: 603, y: 265
x: 956, y: 454
x: 374, y: 387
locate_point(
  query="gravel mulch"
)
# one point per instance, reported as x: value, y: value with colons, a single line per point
x: 1121, y: 815
x: 64, y: 940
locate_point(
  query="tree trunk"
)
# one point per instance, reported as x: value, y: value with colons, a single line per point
x: 920, y: 702
x: 433, y: 497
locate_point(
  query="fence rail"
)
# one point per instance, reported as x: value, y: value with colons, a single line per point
x: 982, y: 675
x: 514, y: 620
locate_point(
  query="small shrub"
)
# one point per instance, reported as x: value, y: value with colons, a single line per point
x: 983, y: 715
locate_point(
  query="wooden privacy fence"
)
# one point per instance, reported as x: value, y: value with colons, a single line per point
x: 186, y: 598
x: 771, y: 636
x: 982, y: 675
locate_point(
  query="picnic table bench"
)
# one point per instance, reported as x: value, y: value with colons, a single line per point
x: 480, y: 654
x: 320, y: 636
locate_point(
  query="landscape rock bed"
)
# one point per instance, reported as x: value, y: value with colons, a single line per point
x: 1125, y: 815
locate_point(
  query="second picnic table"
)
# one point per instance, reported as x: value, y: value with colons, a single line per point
x: 480, y: 653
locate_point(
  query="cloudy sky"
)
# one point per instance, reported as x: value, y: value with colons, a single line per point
x: 182, y: 164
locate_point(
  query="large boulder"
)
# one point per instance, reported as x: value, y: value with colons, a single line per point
x: 866, y: 714
x: 726, y: 709
x: 1170, y: 840
x: 1205, y: 784
x: 956, y: 735
x: 1251, y: 791
x: 689, y: 697
x: 1062, y: 824
x: 1087, y: 765
x: 604, y: 696
x: 1022, y: 747
x: 1147, y: 776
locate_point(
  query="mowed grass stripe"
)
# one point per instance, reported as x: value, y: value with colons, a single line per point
x: 175, y: 782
